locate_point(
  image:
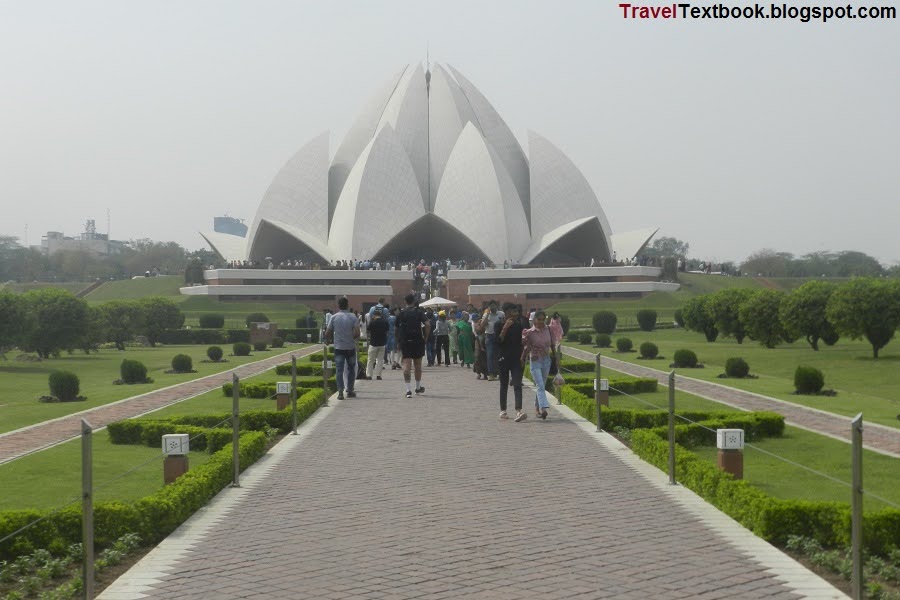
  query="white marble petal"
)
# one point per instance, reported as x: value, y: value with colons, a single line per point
x: 380, y: 198
x: 559, y: 192
x: 477, y: 192
x: 228, y: 247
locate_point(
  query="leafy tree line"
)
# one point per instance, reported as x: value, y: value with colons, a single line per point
x: 816, y: 311
x: 18, y: 263
x: 848, y: 263
x: 49, y: 321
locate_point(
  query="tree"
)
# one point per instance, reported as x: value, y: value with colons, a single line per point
x: 768, y: 263
x: 54, y: 320
x: 12, y: 315
x: 193, y: 272
x: 802, y: 312
x: 94, y: 332
x: 867, y: 308
x: 857, y: 264
x: 759, y: 317
x: 724, y: 306
x: 122, y: 321
x: 668, y: 246
x: 698, y: 317
x: 159, y: 315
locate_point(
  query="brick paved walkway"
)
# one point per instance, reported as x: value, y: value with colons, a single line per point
x: 878, y: 438
x: 21, y: 442
x: 434, y: 497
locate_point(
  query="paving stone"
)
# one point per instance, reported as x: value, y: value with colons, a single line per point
x: 434, y: 497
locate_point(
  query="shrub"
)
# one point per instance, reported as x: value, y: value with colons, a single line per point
x: 646, y: 319
x: 649, y: 350
x: 624, y: 344
x: 565, y: 322
x: 604, y: 321
x: 259, y: 346
x: 214, y: 353
x: 133, y: 371
x: 737, y: 367
x: 808, y: 380
x: 572, y: 336
x: 241, y: 349
x: 679, y: 318
x: 685, y: 358
x: 64, y: 385
x: 585, y: 338
x: 277, y: 342
x: 256, y: 318
x: 182, y: 363
x: 603, y: 340
x: 212, y: 321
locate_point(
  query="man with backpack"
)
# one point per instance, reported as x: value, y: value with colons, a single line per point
x: 412, y: 328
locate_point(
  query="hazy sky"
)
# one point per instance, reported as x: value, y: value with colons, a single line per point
x: 732, y: 136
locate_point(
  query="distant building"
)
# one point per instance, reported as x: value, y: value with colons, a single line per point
x: 230, y: 225
x: 88, y: 241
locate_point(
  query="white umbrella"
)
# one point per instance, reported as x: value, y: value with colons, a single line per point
x: 436, y: 302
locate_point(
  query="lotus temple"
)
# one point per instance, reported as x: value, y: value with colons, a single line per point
x: 430, y: 170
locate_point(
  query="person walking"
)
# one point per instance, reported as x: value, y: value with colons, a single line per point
x: 466, y: 341
x: 442, y: 338
x: 390, y: 349
x: 489, y: 322
x: 453, y: 337
x: 413, y: 329
x: 511, y: 365
x: 481, y: 357
x: 343, y: 329
x: 537, y: 344
x: 378, y: 333
x: 556, y: 330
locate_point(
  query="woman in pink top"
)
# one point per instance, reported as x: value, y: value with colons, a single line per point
x: 537, y: 344
x: 556, y: 330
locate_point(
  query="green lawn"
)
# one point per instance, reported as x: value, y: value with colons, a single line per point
x: 52, y: 477
x: 863, y: 384
x: 22, y: 383
x: 829, y: 456
x: 131, y: 289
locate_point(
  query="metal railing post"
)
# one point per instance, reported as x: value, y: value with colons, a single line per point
x: 597, y: 391
x: 294, y: 393
x: 235, y: 429
x: 672, y: 428
x: 87, y: 510
x: 325, y: 374
x: 857, y: 586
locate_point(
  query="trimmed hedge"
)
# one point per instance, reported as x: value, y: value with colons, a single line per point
x: 256, y: 317
x: 214, y: 353
x: 182, y: 363
x: 277, y: 342
x: 268, y: 390
x: 604, y: 340
x: 646, y: 319
x: 133, y: 371
x: 64, y: 385
x: 772, y: 519
x: 585, y: 338
x: 737, y: 367
x: 212, y: 321
x: 649, y: 350
x: 624, y: 344
x: 159, y: 514
x: 604, y: 321
x: 259, y: 346
x: 241, y: 349
x: 685, y: 358
x: 808, y: 380
x: 226, y: 336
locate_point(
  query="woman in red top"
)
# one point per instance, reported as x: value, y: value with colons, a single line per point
x: 538, y: 344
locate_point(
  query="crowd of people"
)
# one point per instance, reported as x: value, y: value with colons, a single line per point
x: 494, y: 343
x: 408, y: 265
